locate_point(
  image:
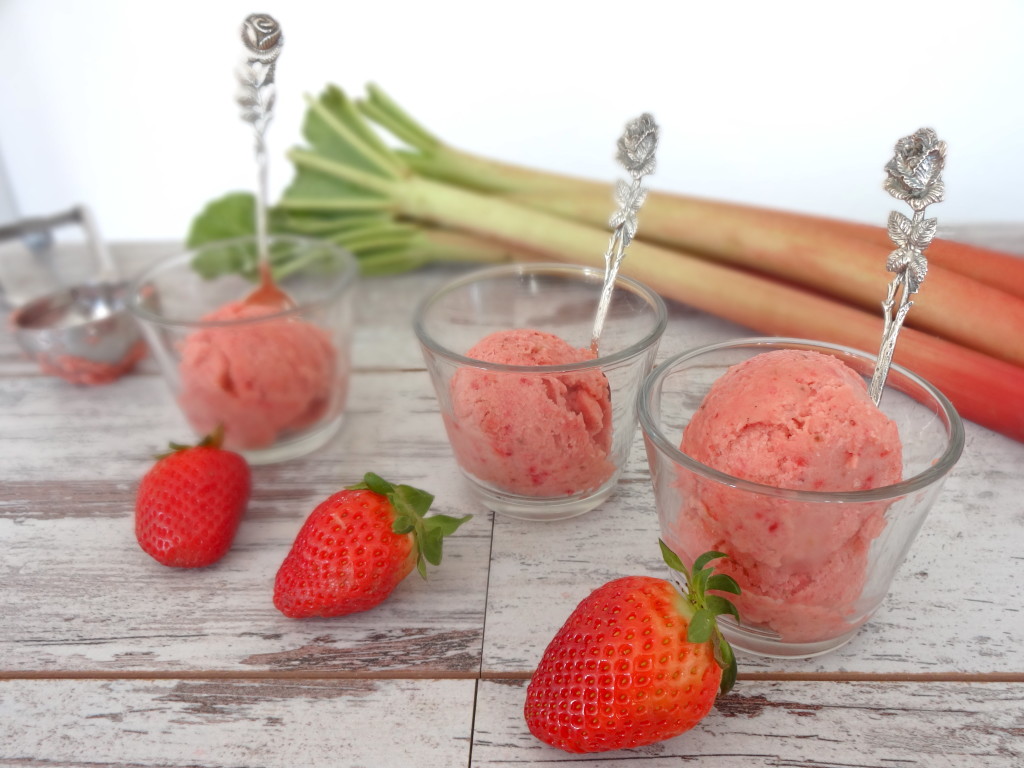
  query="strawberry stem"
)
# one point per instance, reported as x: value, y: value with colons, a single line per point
x: 213, y: 440
x: 410, y: 506
x: 705, y: 608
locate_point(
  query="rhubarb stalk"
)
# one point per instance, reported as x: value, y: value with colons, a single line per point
x: 798, y: 249
x: 349, y: 185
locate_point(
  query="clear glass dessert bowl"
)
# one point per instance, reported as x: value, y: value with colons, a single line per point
x: 814, y: 565
x: 539, y: 426
x: 275, y: 377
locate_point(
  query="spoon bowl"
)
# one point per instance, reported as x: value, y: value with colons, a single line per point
x: 83, y: 334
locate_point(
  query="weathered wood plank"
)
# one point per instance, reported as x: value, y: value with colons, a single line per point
x: 80, y: 595
x: 957, y: 604
x: 806, y: 724
x: 69, y: 459
x: 211, y: 723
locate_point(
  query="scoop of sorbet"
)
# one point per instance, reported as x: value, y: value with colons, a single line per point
x: 795, y: 419
x: 535, y: 434
x: 260, y: 379
x: 799, y: 420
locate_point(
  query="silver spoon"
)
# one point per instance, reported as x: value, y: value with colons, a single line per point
x: 636, y: 153
x: 914, y: 175
x: 262, y: 37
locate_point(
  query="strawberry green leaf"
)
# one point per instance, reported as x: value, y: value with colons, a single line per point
x: 718, y: 646
x: 723, y: 583
x: 404, y: 524
x: 374, y: 483
x: 432, y: 531
x: 214, y: 439
x: 407, y: 498
x: 672, y: 559
x: 703, y: 608
x: 430, y: 541
x: 727, y: 661
x: 719, y: 605
x: 706, y: 558
x: 700, y: 581
x: 701, y: 626
x: 410, y: 507
x: 447, y: 523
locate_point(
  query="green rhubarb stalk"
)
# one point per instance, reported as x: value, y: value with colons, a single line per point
x: 434, y: 158
x: 381, y: 244
x: 335, y: 179
x: 981, y: 387
x: 974, y: 381
x: 805, y: 250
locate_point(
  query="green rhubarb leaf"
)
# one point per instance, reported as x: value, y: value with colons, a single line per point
x: 214, y: 260
x: 325, y: 224
x: 312, y: 187
x: 227, y: 217
x: 385, y: 111
x: 390, y: 262
x: 230, y: 218
x: 369, y: 240
x: 336, y: 130
x: 350, y: 113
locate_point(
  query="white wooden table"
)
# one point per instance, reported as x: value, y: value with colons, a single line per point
x: 107, y: 658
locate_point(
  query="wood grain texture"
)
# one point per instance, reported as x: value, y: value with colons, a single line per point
x: 88, y: 622
x: 80, y: 595
x: 957, y: 603
x: 810, y: 725
x: 252, y: 723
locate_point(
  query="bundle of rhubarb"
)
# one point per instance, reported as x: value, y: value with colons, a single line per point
x: 413, y: 199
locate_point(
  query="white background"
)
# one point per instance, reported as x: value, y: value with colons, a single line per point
x: 129, y: 105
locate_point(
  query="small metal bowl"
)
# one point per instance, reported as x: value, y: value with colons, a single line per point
x: 83, y: 334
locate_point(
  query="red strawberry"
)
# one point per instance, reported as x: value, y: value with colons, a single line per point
x: 356, y: 547
x: 189, y: 503
x: 636, y: 662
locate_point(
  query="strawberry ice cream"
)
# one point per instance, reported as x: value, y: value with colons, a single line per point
x: 797, y: 420
x: 261, y: 380
x: 535, y: 434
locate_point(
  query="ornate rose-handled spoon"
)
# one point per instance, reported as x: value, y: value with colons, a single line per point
x: 914, y: 176
x: 256, y: 94
x: 636, y: 153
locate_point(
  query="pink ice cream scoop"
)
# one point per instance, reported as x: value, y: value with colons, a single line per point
x: 799, y: 420
x: 535, y: 434
x: 259, y: 379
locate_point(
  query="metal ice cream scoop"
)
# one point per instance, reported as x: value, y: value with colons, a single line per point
x: 83, y: 333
